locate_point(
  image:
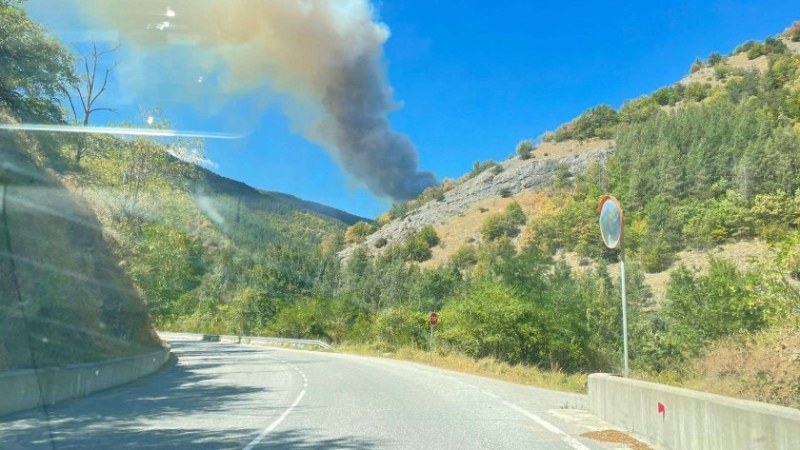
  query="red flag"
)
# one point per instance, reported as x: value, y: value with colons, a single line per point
x: 661, y: 409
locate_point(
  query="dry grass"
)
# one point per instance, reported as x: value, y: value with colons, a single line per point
x: 489, y: 367
x: 553, y: 150
x: 764, y: 367
x: 707, y: 75
x: 616, y: 437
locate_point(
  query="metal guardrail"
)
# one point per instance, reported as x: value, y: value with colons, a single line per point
x: 259, y: 340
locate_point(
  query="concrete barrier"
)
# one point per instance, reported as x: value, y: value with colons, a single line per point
x: 26, y: 389
x: 678, y: 418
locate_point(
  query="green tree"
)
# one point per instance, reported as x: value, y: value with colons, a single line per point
x: 36, y: 69
x: 490, y: 320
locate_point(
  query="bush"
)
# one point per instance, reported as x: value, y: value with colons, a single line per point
x: 400, y: 327
x: 381, y: 242
x: 670, y: 95
x: 597, y: 122
x: 638, y: 110
x: 490, y: 320
x: 714, y: 58
x: 398, y: 210
x: 428, y: 235
x: 697, y: 91
x: 467, y: 256
x: 506, y: 223
x: 769, y: 46
x: 505, y: 192
x: 525, y: 149
x: 746, y: 47
x: 793, y: 32
x: 478, y: 167
x: 696, y: 65
x: 417, y: 246
x: 357, y: 233
x: 721, y: 303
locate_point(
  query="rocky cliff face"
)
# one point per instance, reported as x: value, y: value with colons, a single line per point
x: 518, y: 175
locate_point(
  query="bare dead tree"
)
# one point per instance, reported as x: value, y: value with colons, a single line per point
x: 88, y: 88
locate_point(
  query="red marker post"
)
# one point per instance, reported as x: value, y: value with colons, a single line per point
x: 434, y: 319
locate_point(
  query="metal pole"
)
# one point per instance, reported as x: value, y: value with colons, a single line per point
x: 624, y: 310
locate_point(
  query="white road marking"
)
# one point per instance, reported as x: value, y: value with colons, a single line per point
x: 285, y: 414
x: 277, y: 422
x: 572, y: 442
x: 489, y: 394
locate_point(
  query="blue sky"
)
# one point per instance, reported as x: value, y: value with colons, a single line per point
x: 474, y: 78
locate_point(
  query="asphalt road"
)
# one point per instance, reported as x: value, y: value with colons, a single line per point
x: 244, y: 397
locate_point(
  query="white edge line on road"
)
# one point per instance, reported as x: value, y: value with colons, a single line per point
x: 277, y: 422
x: 574, y: 443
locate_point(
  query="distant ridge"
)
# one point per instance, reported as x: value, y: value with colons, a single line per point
x: 238, y: 188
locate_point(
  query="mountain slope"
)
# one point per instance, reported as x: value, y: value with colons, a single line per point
x: 63, y: 297
x: 319, y: 208
x: 507, y: 179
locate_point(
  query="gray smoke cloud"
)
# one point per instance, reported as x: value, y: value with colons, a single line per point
x: 326, y: 56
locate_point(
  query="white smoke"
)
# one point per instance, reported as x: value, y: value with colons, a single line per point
x: 325, y: 55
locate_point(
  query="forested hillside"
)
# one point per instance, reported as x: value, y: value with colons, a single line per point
x: 695, y: 165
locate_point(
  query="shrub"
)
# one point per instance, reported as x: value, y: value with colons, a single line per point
x: 506, y: 223
x: 597, y: 122
x: 697, y: 91
x: 464, y: 257
x: 714, y: 58
x: 638, y: 110
x: 381, y: 242
x: 398, y: 210
x: 525, y: 149
x: 505, y: 192
x: 357, y: 233
x: 428, y: 235
x: 696, y: 65
x: 478, y: 167
x: 745, y: 47
x: 490, y: 320
x: 417, y: 246
x: 721, y: 303
x: 793, y: 32
x: 769, y: 46
x: 399, y: 327
x: 562, y: 177
x: 670, y: 95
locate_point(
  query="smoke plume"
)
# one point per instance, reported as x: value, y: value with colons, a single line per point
x: 324, y: 55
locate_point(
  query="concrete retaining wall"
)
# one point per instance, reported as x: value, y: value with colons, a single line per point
x: 692, y: 419
x: 20, y: 389
x: 251, y: 340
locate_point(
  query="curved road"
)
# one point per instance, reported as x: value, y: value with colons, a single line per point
x: 244, y: 397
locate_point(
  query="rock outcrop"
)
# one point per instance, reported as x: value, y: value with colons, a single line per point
x: 517, y: 175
